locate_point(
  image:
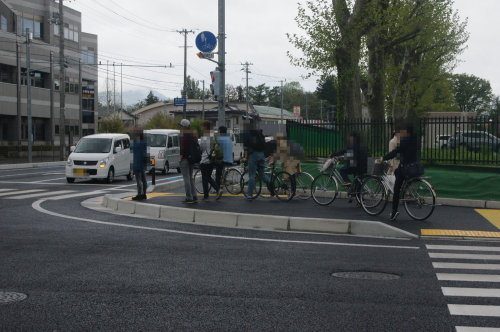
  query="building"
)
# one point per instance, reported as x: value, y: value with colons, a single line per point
x: 80, y: 83
x: 270, y: 119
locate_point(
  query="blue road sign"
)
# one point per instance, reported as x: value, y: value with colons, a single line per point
x: 179, y: 101
x: 206, y: 41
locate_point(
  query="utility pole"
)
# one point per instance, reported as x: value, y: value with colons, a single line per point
x: 321, y: 110
x: 28, y: 95
x: 121, y: 86
x: 80, y: 105
x: 114, y: 88
x: 281, y: 123
x: 203, y: 101
x: 184, y: 89
x: 62, y: 85
x: 19, y: 95
x: 51, y: 59
x: 107, y: 85
x: 307, y: 107
x: 247, y: 71
x: 222, y: 62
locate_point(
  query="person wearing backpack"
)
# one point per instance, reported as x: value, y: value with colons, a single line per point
x: 223, y: 157
x: 254, y: 144
x: 208, y: 159
x: 190, y: 153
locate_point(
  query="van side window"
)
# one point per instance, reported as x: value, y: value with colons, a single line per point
x: 170, y: 142
x: 175, y: 140
x: 126, y: 143
x: 118, y: 143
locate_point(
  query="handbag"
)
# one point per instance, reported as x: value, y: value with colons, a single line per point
x: 412, y: 170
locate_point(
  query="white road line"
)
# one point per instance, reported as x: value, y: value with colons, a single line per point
x: 467, y: 266
x: 22, y: 174
x: 464, y: 256
x: 476, y: 329
x: 47, y: 193
x: 5, y: 189
x: 464, y: 248
x: 21, y: 192
x: 88, y: 193
x: 474, y: 310
x: 37, y: 206
x: 468, y: 277
x: 470, y: 292
x: 48, y: 180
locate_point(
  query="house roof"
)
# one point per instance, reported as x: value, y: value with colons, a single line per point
x: 147, y: 108
x: 268, y: 111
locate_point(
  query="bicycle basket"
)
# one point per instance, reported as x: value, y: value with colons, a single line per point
x: 380, y: 168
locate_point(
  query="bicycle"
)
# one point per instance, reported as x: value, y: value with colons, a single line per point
x: 417, y: 194
x: 280, y: 182
x: 325, y: 187
x: 230, y: 179
x: 304, y: 182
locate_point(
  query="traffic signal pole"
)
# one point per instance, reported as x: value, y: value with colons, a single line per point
x: 221, y: 119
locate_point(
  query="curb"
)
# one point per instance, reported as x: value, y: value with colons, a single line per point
x: 32, y: 165
x: 254, y: 221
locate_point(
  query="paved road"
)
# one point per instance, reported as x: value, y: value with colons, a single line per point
x: 108, y: 273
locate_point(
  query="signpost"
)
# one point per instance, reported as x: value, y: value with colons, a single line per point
x: 180, y: 101
x: 206, y: 41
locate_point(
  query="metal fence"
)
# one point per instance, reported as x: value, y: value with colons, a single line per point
x: 445, y: 140
x: 40, y: 153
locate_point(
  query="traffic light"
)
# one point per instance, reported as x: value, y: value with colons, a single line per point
x: 215, y: 86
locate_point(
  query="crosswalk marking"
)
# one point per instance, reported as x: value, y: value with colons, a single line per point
x: 464, y: 256
x: 476, y: 329
x: 87, y: 193
x: 2, y: 190
x: 471, y: 292
x: 468, y: 266
x: 474, y: 310
x: 21, y: 192
x: 468, y: 277
x: 464, y: 248
x: 46, y: 193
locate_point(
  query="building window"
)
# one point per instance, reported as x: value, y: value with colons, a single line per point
x: 3, y: 23
x: 88, y: 57
x: 88, y: 117
x: 35, y: 27
x: 70, y: 32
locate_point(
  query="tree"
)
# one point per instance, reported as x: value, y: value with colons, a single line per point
x: 258, y: 94
x: 111, y: 124
x: 161, y: 121
x: 495, y: 109
x: 193, y: 89
x: 231, y: 94
x: 472, y: 94
x: 151, y: 99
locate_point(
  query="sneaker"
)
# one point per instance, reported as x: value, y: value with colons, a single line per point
x: 137, y: 198
x: 144, y: 197
x: 186, y: 201
x: 394, y: 216
x: 345, y: 184
x: 193, y: 201
x: 205, y: 198
x: 219, y: 194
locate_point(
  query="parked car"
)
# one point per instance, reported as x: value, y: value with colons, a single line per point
x: 442, y: 141
x: 474, y: 140
x: 164, y: 148
x: 100, y: 156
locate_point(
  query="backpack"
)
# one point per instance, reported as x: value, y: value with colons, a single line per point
x: 257, y: 141
x: 195, y: 156
x: 216, y: 154
x: 296, y: 150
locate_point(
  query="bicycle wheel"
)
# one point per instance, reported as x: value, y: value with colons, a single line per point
x: 373, y: 195
x: 244, y: 185
x: 419, y: 199
x: 282, y: 184
x: 197, y: 182
x: 232, y: 181
x: 324, y: 189
x: 304, y: 183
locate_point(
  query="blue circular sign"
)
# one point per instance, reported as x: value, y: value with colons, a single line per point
x: 206, y: 41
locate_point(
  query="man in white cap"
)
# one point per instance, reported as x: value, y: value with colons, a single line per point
x: 188, y: 143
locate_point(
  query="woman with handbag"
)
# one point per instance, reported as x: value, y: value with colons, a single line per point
x: 207, y: 143
x: 409, y: 166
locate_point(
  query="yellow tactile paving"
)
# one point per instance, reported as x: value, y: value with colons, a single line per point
x: 493, y: 216
x: 153, y: 195
x: 451, y: 232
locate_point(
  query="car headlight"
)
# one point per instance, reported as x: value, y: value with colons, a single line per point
x: 103, y: 162
x: 69, y: 162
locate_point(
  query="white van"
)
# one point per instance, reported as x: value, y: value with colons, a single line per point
x: 164, y: 147
x: 100, y: 156
x: 237, y: 147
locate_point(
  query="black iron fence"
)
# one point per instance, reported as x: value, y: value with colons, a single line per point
x: 446, y: 140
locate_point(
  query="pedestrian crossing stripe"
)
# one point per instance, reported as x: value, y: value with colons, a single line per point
x: 493, y: 216
x: 451, y: 232
x: 20, y: 192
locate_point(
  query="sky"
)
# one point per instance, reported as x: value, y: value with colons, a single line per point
x: 143, y: 32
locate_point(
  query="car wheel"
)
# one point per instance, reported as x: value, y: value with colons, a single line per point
x: 111, y: 175
x: 166, y: 168
x: 70, y: 180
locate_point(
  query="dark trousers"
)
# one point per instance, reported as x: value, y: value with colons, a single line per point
x: 206, y: 178
x: 142, y: 184
x: 345, y: 171
x: 219, y: 169
x: 293, y: 182
x: 397, y: 189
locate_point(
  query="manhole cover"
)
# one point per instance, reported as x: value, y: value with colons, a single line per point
x: 9, y: 297
x: 366, y: 275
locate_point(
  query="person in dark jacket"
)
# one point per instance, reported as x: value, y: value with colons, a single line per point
x: 139, y: 155
x: 356, y: 156
x: 187, y: 142
x: 407, y: 152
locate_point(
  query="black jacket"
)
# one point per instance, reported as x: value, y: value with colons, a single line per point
x: 407, y: 151
x: 357, y: 156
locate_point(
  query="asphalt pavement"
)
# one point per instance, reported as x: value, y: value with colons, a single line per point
x: 87, y: 270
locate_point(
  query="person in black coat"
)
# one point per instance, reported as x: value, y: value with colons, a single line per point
x: 356, y: 156
x: 407, y: 152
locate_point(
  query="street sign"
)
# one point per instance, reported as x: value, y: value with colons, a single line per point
x: 206, y: 41
x: 179, y: 101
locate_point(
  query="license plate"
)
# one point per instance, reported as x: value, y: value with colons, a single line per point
x: 80, y: 172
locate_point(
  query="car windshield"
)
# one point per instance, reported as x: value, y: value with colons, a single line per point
x: 156, y: 140
x: 94, y: 145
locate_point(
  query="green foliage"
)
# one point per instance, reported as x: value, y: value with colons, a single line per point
x: 111, y: 124
x: 151, y: 99
x: 162, y: 121
x: 258, y: 94
x: 193, y: 89
x: 472, y: 94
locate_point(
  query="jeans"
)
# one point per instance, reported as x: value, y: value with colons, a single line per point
x: 206, y: 178
x: 187, y: 174
x: 142, y: 184
x: 256, y: 162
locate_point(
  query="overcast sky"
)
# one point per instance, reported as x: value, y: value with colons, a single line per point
x: 256, y: 32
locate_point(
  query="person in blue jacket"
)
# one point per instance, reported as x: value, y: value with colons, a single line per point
x: 139, y: 159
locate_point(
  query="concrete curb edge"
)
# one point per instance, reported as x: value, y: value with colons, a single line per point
x: 32, y: 165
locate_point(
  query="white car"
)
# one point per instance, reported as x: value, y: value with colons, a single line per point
x: 164, y: 147
x: 100, y: 156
